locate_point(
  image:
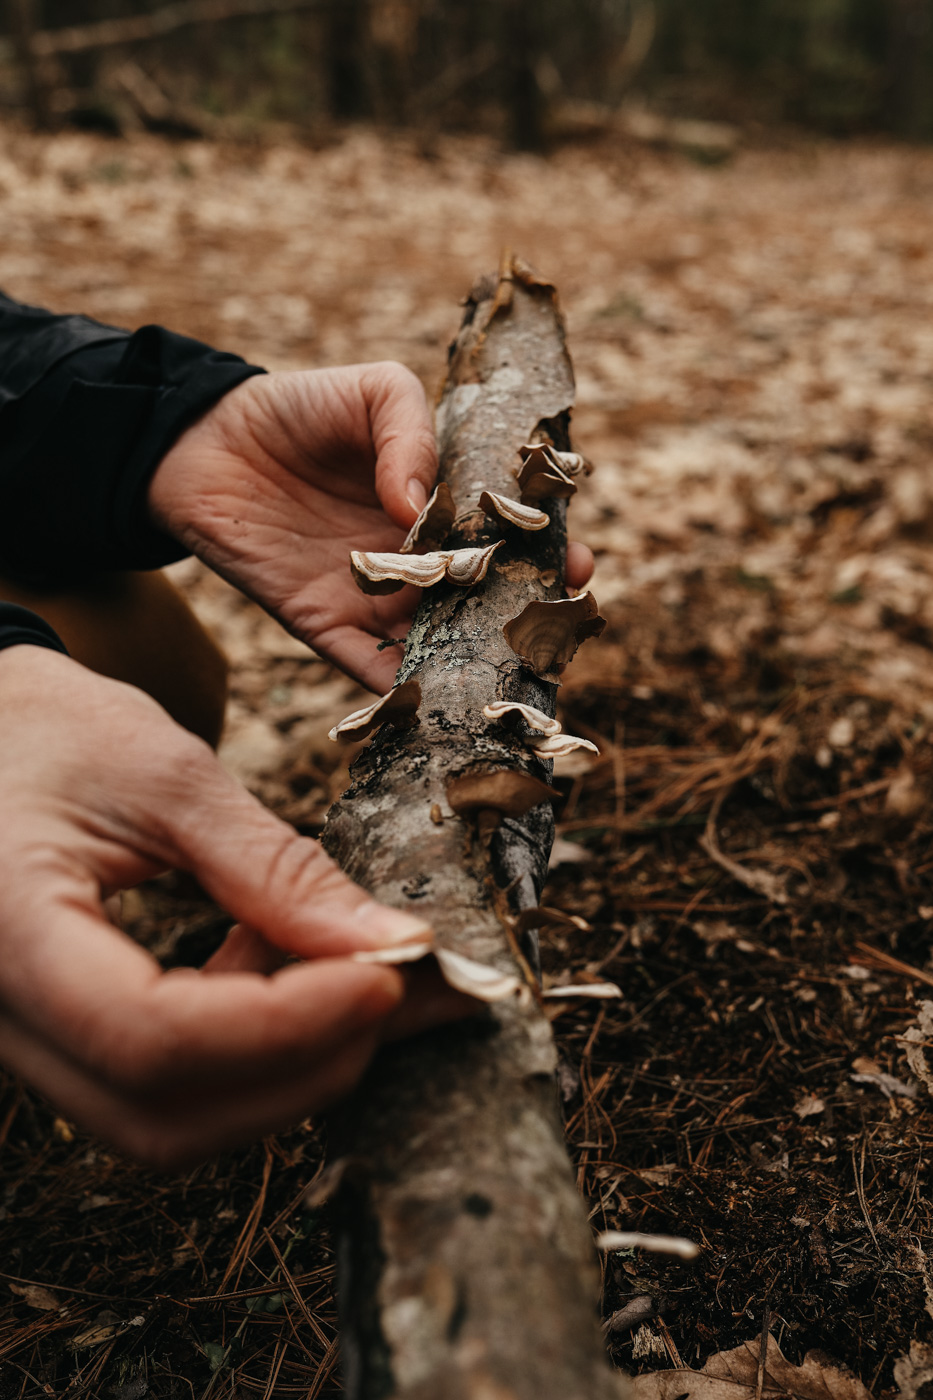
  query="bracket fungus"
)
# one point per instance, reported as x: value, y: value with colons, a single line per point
x: 560, y: 745
x: 514, y: 512
x: 465, y: 974
x: 545, y: 636
x: 490, y: 796
x: 572, y: 463
x: 468, y: 566
x: 399, y: 706
x: 541, y: 475
x: 433, y: 524
x: 387, y: 573
x: 535, y: 719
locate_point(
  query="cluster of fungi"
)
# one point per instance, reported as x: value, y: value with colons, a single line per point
x: 544, y: 637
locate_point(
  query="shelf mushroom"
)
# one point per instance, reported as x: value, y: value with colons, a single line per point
x: 504, y: 710
x: 541, y: 475
x: 387, y: 573
x: 433, y: 524
x: 545, y: 636
x: 399, y: 706
x: 490, y: 796
x: 514, y: 512
x: 469, y: 566
x: 560, y: 745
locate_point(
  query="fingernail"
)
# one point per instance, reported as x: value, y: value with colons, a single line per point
x: 391, y: 926
x: 417, y: 495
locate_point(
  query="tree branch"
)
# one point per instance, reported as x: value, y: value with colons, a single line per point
x: 467, y: 1266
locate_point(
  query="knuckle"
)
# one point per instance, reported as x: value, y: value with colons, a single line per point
x: 299, y: 867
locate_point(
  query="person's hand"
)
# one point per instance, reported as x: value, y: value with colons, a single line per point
x: 99, y: 789
x: 291, y: 471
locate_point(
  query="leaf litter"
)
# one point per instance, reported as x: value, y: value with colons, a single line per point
x: 751, y: 846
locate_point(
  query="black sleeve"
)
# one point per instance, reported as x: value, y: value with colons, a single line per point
x: 87, y: 412
x: 20, y: 625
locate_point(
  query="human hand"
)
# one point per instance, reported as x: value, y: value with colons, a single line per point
x: 99, y: 789
x: 286, y: 475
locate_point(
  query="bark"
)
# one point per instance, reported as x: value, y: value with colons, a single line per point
x: 467, y: 1269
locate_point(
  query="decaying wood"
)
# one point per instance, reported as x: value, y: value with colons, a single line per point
x: 467, y: 1266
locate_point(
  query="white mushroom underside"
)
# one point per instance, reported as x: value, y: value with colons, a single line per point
x: 560, y: 745
x: 464, y: 974
x: 461, y: 566
x: 514, y: 512
x: 535, y: 719
x: 399, y: 704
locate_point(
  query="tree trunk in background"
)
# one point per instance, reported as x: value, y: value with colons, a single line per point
x: 467, y: 1269
x: 910, y: 76
x: 348, y: 77
x: 524, y: 101
x: 24, y: 19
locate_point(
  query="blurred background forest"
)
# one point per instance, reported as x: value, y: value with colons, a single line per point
x: 529, y: 71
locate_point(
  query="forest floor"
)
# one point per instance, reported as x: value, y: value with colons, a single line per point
x: 754, y: 354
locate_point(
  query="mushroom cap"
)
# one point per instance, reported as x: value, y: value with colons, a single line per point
x: 536, y: 485
x: 514, y: 512
x: 433, y: 524
x: 504, y: 790
x: 475, y: 978
x: 535, y: 719
x: 572, y: 463
x: 545, y: 636
x: 468, y: 566
x: 387, y: 573
x: 560, y: 745
x: 465, y: 974
x: 399, y: 706
x: 541, y: 474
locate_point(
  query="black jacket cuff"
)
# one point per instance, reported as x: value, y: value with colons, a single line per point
x: 19, y: 625
x: 80, y: 442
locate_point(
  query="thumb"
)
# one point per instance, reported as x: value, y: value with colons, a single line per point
x: 403, y: 436
x: 282, y: 885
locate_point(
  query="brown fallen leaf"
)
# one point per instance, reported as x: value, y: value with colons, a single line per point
x: 733, y: 1375
x: 35, y: 1296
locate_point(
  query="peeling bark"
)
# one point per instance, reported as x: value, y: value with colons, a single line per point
x: 467, y: 1269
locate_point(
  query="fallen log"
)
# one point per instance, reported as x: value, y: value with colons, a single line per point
x: 467, y: 1268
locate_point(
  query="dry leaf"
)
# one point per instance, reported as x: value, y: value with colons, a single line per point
x: 35, y: 1296
x: 914, y: 1039
x: 914, y: 1372
x: 807, y: 1106
x: 733, y: 1375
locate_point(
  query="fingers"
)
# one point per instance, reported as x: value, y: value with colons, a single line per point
x: 580, y: 562
x: 403, y: 436
x: 245, y: 950
x: 183, y: 1120
x: 267, y: 876
x: 429, y: 1001
x: 106, y: 1004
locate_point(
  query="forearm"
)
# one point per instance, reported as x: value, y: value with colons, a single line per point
x: 87, y: 413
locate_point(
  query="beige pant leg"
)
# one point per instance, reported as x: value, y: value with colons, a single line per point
x: 138, y: 628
